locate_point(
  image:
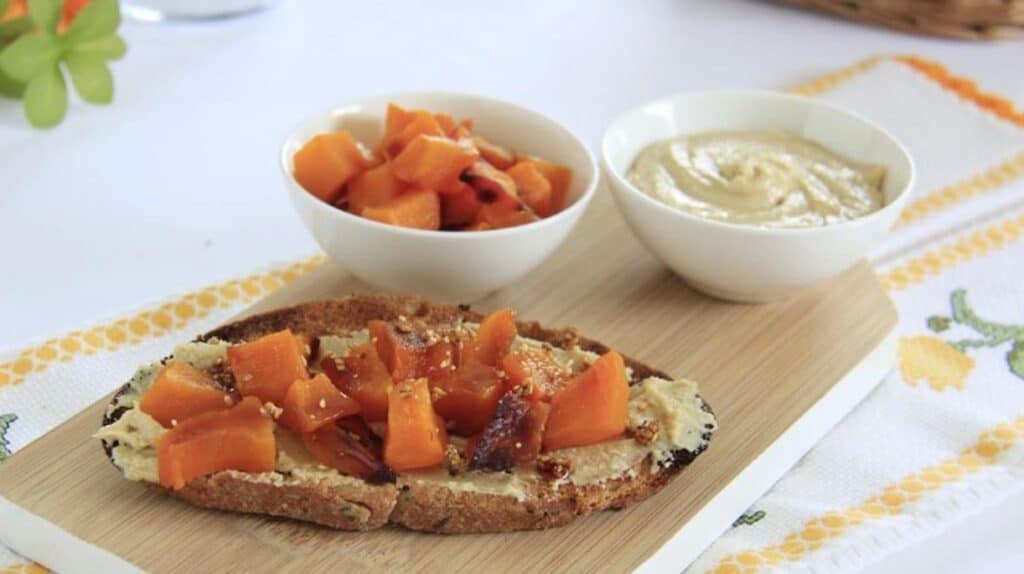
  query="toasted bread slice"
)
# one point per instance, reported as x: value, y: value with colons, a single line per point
x: 419, y: 504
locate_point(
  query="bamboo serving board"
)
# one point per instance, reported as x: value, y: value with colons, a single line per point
x: 778, y: 377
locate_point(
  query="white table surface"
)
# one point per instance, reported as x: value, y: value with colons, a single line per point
x: 177, y: 186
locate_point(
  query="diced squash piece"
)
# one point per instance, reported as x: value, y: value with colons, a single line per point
x: 513, y: 437
x: 446, y: 121
x: 592, y: 407
x: 402, y: 352
x: 492, y: 185
x: 430, y: 162
x: 459, y: 208
x: 538, y: 371
x: 560, y: 178
x: 327, y: 162
x: 498, y: 216
x: 439, y: 360
x: 312, y: 403
x: 395, y: 119
x: 266, y: 367
x: 239, y: 438
x: 499, y: 156
x: 533, y: 188
x: 468, y: 397
x: 492, y: 340
x: 423, y: 123
x: 419, y: 209
x: 416, y: 436
x: 351, y: 452
x: 364, y: 377
x: 462, y: 130
x: 372, y: 188
x: 182, y: 391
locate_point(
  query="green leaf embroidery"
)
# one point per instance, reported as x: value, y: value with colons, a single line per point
x: 46, y: 99
x: 1015, y: 358
x: 45, y: 13
x: 996, y: 333
x: 749, y: 518
x: 91, y: 78
x: 938, y: 323
x: 98, y: 19
x: 29, y: 56
x: 5, y: 423
x: 106, y: 48
x: 11, y: 29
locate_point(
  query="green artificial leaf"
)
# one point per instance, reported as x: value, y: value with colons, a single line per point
x: 29, y: 56
x: 99, y: 18
x: 938, y: 323
x: 91, y: 78
x: 1015, y: 358
x: 46, y: 99
x: 105, y: 48
x: 45, y: 13
x: 10, y: 87
x: 5, y: 424
x: 11, y: 29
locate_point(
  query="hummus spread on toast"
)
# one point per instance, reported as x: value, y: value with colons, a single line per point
x: 672, y: 407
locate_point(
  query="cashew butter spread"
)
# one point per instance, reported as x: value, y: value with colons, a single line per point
x: 763, y: 178
x: 675, y: 405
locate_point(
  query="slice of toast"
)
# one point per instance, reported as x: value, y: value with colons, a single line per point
x: 413, y: 501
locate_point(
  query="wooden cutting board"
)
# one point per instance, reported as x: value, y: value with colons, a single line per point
x: 777, y: 375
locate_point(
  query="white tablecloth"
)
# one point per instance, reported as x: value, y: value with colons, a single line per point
x: 176, y: 186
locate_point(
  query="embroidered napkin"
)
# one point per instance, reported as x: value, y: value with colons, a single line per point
x: 938, y: 439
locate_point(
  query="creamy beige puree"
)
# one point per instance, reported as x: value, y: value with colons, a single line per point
x: 765, y: 178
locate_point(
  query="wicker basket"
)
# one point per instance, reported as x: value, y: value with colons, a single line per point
x: 964, y: 19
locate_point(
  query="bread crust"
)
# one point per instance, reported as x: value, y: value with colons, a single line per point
x: 417, y: 505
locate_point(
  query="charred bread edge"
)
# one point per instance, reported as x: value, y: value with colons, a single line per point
x: 427, y: 508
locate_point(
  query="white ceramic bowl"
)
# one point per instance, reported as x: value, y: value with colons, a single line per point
x: 445, y: 265
x: 742, y: 262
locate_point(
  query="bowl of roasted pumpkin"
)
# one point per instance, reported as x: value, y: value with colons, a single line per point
x: 451, y: 196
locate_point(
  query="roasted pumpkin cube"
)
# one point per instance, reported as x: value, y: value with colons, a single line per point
x: 372, y: 188
x: 439, y: 360
x: 413, y: 124
x: 492, y: 185
x: 533, y: 188
x: 500, y: 216
x: 468, y: 397
x: 310, y: 404
x: 431, y: 162
x: 347, y: 448
x: 560, y: 178
x: 401, y: 351
x: 537, y: 372
x: 416, y: 436
x: 492, y: 340
x: 239, y: 438
x: 459, y: 208
x: 499, y: 156
x: 364, y: 377
x: 327, y: 162
x: 266, y: 367
x: 420, y: 209
x: 513, y: 437
x: 182, y: 391
x: 592, y: 407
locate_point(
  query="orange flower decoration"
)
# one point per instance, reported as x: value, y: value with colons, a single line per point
x: 927, y: 358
